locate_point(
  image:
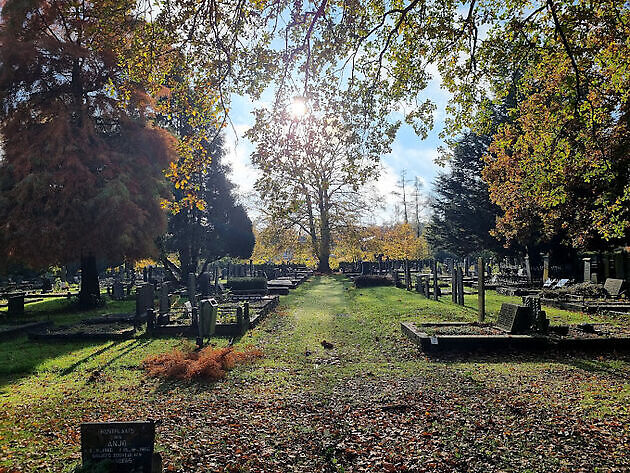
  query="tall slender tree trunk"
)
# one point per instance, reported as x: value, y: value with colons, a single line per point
x: 90, y: 293
x: 324, y: 241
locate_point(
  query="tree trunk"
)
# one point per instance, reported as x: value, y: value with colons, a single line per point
x: 324, y: 241
x: 90, y: 294
x: 324, y: 264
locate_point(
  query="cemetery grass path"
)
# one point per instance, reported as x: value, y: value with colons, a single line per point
x: 369, y: 403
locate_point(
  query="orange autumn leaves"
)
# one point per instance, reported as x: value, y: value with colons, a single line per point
x: 208, y: 364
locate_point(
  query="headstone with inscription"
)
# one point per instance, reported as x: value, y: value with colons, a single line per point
x: 127, y: 447
x: 587, y: 269
x: 614, y: 287
x: 515, y: 318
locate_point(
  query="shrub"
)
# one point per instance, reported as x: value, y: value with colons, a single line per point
x: 209, y: 363
x: 372, y: 281
x: 244, y: 284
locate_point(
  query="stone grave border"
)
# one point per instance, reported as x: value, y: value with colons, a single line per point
x: 496, y: 343
x: 22, y: 329
x: 126, y: 334
x: 224, y: 330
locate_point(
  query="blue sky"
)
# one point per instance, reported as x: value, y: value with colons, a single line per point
x: 409, y: 152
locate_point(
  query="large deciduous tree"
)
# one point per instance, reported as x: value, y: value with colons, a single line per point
x: 563, y: 163
x: 314, y: 155
x: 81, y: 172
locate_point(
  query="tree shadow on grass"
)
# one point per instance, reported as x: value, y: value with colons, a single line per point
x: 85, y: 359
x: 21, y: 356
x: 136, y: 344
x: 593, y: 362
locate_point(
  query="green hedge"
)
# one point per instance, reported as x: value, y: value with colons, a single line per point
x: 372, y: 281
x: 247, y: 284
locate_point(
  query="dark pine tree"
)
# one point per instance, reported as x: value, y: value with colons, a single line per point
x: 220, y: 228
x: 463, y: 214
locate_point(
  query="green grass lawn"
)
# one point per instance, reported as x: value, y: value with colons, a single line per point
x: 372, y: 402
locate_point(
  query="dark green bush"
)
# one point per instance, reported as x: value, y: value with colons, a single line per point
x: 247, y: 284
x: 372, y: 281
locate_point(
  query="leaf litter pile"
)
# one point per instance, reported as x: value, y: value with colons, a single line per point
x: 364, y: 401
x: 209, y: 363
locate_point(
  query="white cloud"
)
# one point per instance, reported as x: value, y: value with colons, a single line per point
x: 238, y: 151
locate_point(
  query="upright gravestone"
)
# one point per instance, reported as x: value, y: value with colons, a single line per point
x: 453, y: 271
x: 207, y: 317
x: 427, y: 285
x: 418, y: 283
x: 126, y: 446
x: 240, y: 321
x: 436, y: 287
x: 246, y: 316
x: 528, y: 270
x: 395, y: 278
x: 118, y: 290
x: 16, y: 303
x: 545, y: 266
x: 144, y: 298
x: 515, y: 318
x: 408, y: 284
x: 192, y: 289
x: 204, y: 284
x: 481, y: 290
x: 165, y: 303
x: 587, y: 269
x: 460, y: 286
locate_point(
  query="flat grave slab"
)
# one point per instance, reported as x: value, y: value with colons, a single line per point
x: 14, y: 330
x: 83, y: 331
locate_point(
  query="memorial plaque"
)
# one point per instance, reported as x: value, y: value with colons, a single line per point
x: 514, y: 318
x: 562, y: 283
x: 126, y: 446
x: 613, y: 287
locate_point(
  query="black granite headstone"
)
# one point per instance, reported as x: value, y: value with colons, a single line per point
x: 16, y: 303
x: 126, y: 446
x: 515, y: 318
